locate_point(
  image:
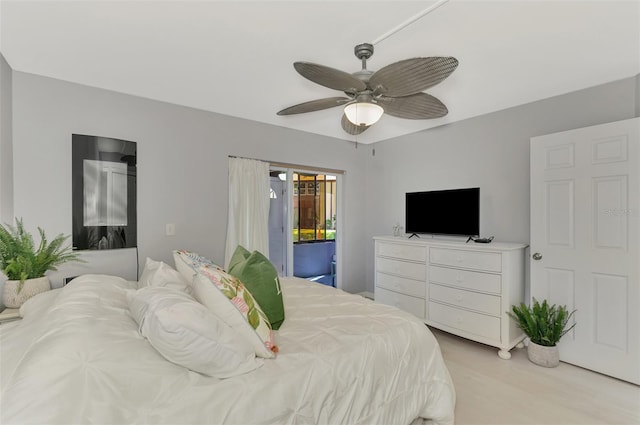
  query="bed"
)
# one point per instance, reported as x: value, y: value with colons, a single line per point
x: 77, y: 356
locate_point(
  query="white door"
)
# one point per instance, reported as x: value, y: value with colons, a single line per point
x: 585, y: 232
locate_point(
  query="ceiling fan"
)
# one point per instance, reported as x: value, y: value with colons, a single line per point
x: 395, y: 89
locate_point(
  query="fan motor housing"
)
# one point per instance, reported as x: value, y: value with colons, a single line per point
x: 363, y: 51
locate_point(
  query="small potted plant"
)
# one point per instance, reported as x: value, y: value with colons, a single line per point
x: 544, y: 325
x: 25, y: 266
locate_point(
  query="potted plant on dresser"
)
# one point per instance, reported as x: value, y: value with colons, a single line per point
x: 25, y: 266
x: 544, y: 325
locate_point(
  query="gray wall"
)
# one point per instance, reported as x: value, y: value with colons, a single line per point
x: 490, y: 151
x: 182, y: 165
x: 6, y: 142
x: 6, y: 150
x: 638, y: 95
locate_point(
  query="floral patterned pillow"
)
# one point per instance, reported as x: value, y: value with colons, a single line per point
x: 188, y: 262
x: 227, y: 297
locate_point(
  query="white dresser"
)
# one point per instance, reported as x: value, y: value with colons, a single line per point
x: 462, y: 288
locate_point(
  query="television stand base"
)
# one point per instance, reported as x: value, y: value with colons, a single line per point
x: 412, y: 235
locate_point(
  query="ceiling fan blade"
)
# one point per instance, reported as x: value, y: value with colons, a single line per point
x: 315, y: 105
x: 330, y: 77
x: 411, y: 76
x: 350, y: 127
x: 420, y: 106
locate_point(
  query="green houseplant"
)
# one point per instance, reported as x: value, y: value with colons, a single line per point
x: 544, y: 324
x: 25, y: 265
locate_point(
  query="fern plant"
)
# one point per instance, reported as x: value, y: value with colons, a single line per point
x: 20, y: 260
x: 543, y: 324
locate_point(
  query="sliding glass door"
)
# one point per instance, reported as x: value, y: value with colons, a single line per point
x: 314, y: 207
x: 303, y: 224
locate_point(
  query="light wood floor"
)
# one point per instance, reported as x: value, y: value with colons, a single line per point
x: 494, y: 391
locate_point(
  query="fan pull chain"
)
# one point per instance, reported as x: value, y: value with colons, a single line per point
x: 409, y: 22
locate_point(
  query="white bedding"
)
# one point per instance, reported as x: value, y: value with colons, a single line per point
x: 77, y: 357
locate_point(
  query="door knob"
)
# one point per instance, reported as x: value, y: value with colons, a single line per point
x: 537, y: 256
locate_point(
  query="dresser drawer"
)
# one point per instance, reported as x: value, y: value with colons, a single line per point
x: 478, y: 281
x: 408, y: 303
x: 405, y: 252
x: 464, y: 320
x: 415, y: 288
x: 414, y: 271
x: 483, y: 303
x: 489, y: 261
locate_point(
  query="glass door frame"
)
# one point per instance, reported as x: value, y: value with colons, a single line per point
x: 340, y: 216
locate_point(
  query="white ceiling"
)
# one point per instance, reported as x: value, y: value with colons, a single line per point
x: 235, y: 58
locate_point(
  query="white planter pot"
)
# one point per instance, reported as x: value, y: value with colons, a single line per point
x: 543, y: 356
x: 12, y: 299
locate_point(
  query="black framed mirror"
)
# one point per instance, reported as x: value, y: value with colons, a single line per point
x: 104, y: 192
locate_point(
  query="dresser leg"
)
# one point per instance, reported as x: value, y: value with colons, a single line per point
x: 504, y: 354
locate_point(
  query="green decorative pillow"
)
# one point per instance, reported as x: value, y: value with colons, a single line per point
x: 257, y: 273
x: 240, y: 255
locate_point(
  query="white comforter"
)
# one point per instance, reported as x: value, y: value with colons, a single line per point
x: 77, y: 357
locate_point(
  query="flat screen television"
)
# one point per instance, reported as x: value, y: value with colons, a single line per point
x: 444, y: 212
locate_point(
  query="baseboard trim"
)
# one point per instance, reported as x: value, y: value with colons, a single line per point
x: 366, y: 294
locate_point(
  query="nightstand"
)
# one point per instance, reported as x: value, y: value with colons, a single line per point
x: 9, y: 315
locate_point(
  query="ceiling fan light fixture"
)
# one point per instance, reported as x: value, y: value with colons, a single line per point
x: 363, y: 113
x: 396, y: 89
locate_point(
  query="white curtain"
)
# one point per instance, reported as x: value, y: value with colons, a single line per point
x: 248, y: 219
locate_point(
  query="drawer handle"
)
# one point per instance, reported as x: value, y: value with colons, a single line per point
x: 459, y: 279
x: 458, y: 319
x: 459, y: 298
x: 460, y: 258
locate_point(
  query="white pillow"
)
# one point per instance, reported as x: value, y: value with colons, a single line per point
x: 187, y: 334
x: 157, y: 273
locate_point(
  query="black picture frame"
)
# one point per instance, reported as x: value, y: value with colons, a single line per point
x: 104, y: 193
